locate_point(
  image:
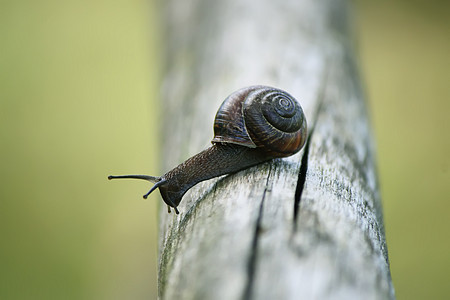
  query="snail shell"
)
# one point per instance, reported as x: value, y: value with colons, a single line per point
x: 261, y: 117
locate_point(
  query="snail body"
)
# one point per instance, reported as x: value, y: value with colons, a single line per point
x: 253, y: 125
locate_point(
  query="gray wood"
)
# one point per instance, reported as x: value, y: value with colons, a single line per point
x: 238, y: 236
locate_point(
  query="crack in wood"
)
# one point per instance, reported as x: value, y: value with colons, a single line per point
x: 251, y: 266
x: 301, y: 180
x: 304, y: 162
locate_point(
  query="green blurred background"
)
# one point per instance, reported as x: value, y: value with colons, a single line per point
x: 78, y: 100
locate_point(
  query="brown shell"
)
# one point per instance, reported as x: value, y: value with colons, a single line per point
x: 263, y: 117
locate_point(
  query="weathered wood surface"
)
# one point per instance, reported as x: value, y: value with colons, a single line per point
x: 261, y: 233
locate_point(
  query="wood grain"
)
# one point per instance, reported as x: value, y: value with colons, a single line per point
x: 305, y: 227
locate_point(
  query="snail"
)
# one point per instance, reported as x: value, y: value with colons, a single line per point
x: 253, y: 125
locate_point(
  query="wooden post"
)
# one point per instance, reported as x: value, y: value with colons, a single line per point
x: 305, y: 227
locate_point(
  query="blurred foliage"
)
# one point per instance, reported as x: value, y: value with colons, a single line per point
x: 404, y: 48
x: 78, y: 102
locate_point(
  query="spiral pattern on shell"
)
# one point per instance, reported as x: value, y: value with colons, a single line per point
x: 263, y: 117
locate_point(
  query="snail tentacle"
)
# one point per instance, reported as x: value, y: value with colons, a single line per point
x: 143, y: 177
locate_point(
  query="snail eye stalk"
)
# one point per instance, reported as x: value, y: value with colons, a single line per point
x: 159, y: 182
x: 143, y: 177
